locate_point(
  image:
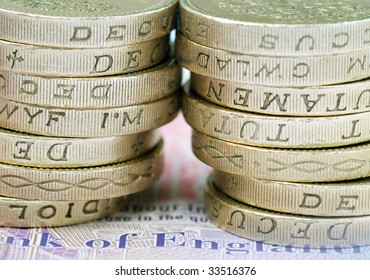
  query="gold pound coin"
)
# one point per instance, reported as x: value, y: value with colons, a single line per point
x: 283, y: 229
x: 335, y: 100
x: 53, y: 62
x: 274, y: 71
x: 51, y: 152
x: 275, y: 131
x: 310, y: 165
x: 86, y: 24
x: 82, y: 183
x: 277, y: 28
x: 112, y: 91
x: 81, y: 122
x: 15, y: 212
x: 337, y: 199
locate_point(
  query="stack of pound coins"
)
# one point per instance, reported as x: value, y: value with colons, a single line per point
x: 84, y: 88
x: 280, y: 107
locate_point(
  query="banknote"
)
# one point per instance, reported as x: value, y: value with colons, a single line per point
x: 164, y: 222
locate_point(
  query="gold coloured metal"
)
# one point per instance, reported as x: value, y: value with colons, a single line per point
x: 87, y: 122
x: 290, y: 165
x: 272, y: 131
x: 80, y: 23
x: 112, y: 91
x: 277, y: 28
x: 51, y: 152
x: 272, y: 70
x: 335, y: 100
x: 53, y: 62
x: 82, y: 183
x: 283, y: 229
x: 15, y: 212
x: 336, y: 199
x: 84, y: 85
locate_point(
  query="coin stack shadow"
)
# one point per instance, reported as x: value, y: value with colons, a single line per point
x: 279, y: 110
x: 82, y: 97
